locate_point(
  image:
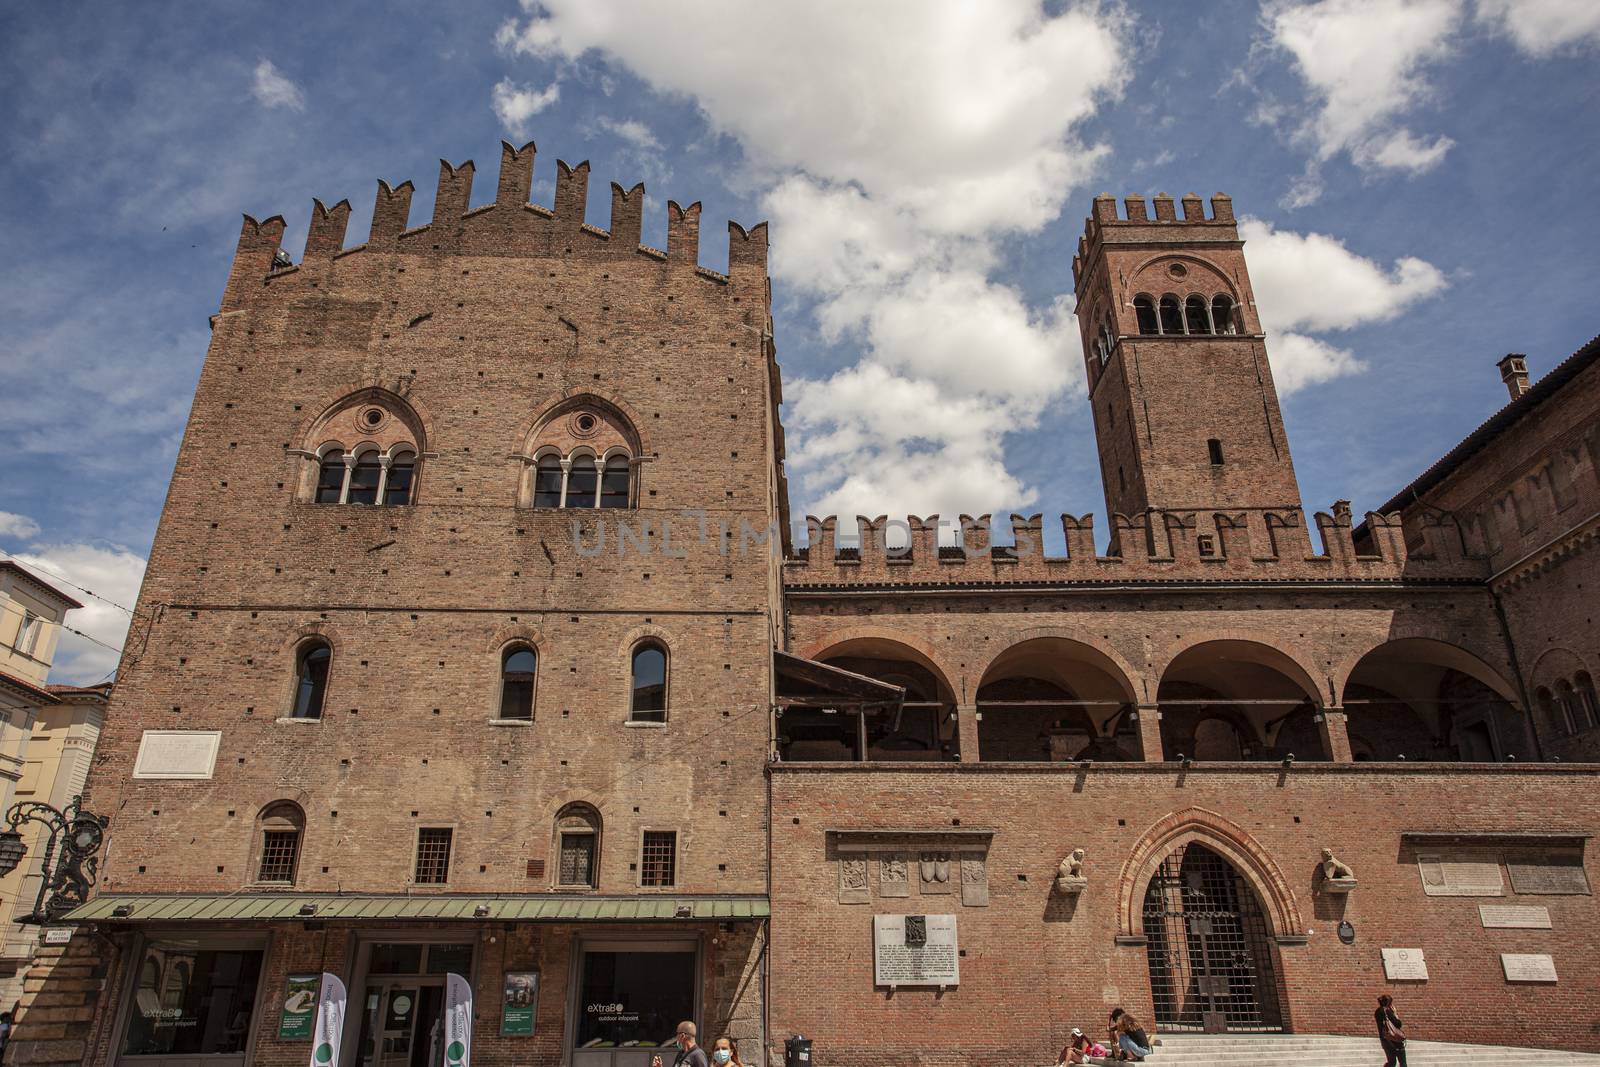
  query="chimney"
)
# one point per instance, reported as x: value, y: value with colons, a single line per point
x: 1514, y: 372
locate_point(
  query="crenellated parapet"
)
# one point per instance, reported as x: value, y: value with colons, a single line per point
x: 510, y: 226
x: 1156, y: 546
x: 1155, y: 222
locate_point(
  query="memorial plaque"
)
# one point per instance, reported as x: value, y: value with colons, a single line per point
x: 1549, y: 874
x: 1463, y: 874
x: 190, y: 754
x: 1528, y: 967
x: 915, y: 950
x: 1404, y: 965
x: 1513, y: 917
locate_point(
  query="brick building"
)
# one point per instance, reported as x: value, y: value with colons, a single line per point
x: 473, y: 641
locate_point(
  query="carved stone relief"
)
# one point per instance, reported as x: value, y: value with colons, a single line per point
x: 974, y: 881
x: 894, y: 878
x: 853, y: 881
x: 934, y: 872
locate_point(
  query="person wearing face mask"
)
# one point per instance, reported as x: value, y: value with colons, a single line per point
x: 725, y: 1053
x: 690, y: 1054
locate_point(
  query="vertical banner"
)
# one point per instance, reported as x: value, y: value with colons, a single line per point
x: 330, y: 1022
x: 457, y: 1021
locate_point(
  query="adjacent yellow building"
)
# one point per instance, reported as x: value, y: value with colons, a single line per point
x: 47, y: 740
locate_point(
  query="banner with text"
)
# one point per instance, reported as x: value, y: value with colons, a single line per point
x: 330, y: 1022
x: 457, y: 1022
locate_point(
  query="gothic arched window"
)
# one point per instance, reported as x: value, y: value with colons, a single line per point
x: 1195, y: 317
x: 1222, y: 320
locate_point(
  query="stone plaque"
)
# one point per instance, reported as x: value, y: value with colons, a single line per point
x: 1461, y: 874
x: 974, y: 882
x: 1528, y: 967
x: 57, y: 935
x: 1551, y: 874
x: 933, y: 873
x: 1404, y: 965
x: 1513, y: 917
x: 188, y: 754
x: 894, y: 876
x: 853, y: 881
x: 915, y: 950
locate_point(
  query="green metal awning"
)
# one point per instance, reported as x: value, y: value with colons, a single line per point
x: 280, y: 907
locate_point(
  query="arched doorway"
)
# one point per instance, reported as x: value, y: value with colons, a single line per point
x: 1211, y: 954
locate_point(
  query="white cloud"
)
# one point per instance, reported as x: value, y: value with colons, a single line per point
x: 1543, y: 27
x: 514, y: 105
x: 114, y: 573
x: 632, y: 131
x: 19, y: 526
x: 1365, y: 62
x: 272, y: 89
x: 936, y: 129
x: 1311, y: 283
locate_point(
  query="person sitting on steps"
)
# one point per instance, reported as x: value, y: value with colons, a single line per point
x: 1129, y: 1040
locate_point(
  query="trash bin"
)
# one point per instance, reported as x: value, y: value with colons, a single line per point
x: 797, y: 1052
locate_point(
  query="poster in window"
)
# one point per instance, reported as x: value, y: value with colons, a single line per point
x: 520, y: 1000
x: 299, y: 1007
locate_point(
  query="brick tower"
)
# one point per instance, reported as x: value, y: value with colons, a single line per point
x: 1185, y: 411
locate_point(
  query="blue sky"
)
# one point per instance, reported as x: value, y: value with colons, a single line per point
x: 1420, y: 179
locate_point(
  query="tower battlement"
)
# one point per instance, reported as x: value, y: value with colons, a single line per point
x: 510, y: 226
x: 1156, y: 221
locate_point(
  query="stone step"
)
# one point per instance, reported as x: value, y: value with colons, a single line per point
x: 1330, y: 1050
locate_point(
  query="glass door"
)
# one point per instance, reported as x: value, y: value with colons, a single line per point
x: 631, y: 996
x: 403, y: 1023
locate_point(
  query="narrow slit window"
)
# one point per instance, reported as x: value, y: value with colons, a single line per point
x: 1214, y: 447
x: 311, y: 683
x: 517, y: 670
x: 649, y: 684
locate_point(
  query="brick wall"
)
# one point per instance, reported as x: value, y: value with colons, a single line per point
x: 1035, y: 965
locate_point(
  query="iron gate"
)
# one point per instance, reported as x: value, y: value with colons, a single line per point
x: 1210, y: 954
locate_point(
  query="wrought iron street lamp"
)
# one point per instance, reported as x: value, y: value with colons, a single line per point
x: 77, y: 833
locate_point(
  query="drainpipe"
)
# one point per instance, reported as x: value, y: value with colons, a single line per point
x: 1516, y: 669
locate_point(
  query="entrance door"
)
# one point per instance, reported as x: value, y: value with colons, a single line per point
x: 1211, y: 965
x: 631, y: 996
x: 403, y: 1023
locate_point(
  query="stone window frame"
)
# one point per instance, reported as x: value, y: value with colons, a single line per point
x: 352, y: 458
x: 602, y: 461
x: 577, y: 809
